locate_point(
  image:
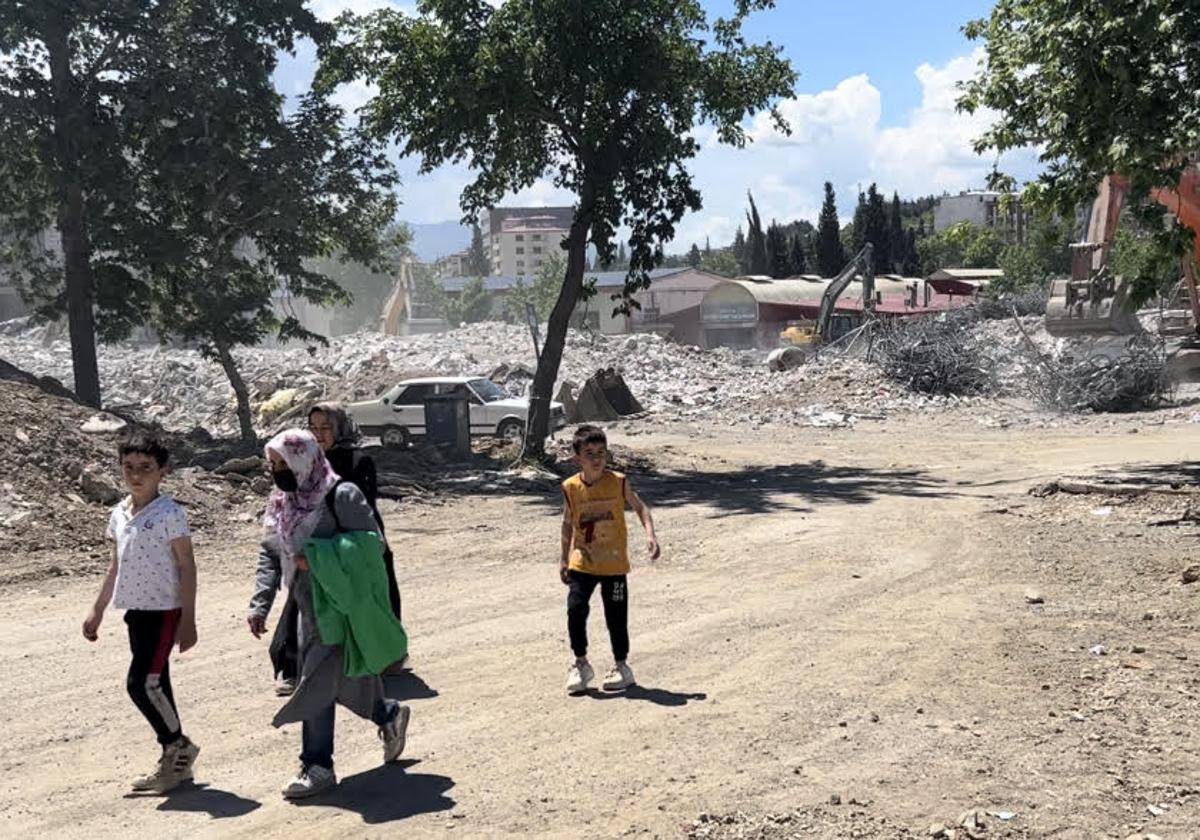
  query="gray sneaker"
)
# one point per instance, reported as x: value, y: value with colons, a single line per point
x: 393, y: 734
x: 310, y: 781
x: 174, y: 768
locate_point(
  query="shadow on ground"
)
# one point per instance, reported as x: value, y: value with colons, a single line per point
x: 1179, y: 474
x: 407, y: 686
x: 387, y: 793
x: 657, y: 696
x: 202, y: 799
x: 790, y: 488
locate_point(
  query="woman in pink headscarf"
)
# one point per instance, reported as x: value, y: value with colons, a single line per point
x: 311, y: 501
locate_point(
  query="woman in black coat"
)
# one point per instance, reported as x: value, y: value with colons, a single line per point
x: 338, y: 434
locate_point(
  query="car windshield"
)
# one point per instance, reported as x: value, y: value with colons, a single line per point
x: 487, y: 390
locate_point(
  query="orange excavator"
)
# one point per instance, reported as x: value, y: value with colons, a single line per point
x: 1094, y: 302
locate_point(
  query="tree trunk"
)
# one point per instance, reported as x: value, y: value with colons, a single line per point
x: 69, y: 126
x: 245, y: 418
x: 538, y: 428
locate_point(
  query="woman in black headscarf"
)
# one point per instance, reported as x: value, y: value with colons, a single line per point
x: 340, y: 438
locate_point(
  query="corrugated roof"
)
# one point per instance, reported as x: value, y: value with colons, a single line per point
x: 968, y: 273
x: 805, y: 290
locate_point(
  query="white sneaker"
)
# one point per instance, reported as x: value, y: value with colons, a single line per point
x: 393, y: 734
x: 285, y: 687
x: 310, y: 781
x: 579, y: 676
x: 618, y: 678
x: 174, y: 768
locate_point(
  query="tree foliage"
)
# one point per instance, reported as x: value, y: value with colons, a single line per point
x: 758, y: 259
x: 721, y: 261
x: 1045, y: 253
x: 542, y: 292
x: 1098, y: 88
x: 236, y: 201
x: 739, y: 251
x: 963, y: 245
x: 778, y: 252
x: 602, y: 96
x: 65, y: 73
x: 830, y: 254
x: 477, y: 264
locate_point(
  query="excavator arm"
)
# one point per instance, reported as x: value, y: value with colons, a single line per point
x: 1092, y: 301
x: 862, y: 263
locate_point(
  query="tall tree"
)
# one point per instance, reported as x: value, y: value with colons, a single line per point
x: 478, y: 264
x: 694, y: 256
x: 63, y: 88
x: 897, y: 241
x: 235, y: 200
x: 876, y: 226
x: 797, y: 259
x: 707, y: 247
x: 600, y: 96
x: 1098, y: 88
x: 859, y: 225
x: 757, y: 259
x: 830, y: 255
x: 778, y: 252
x: 739, y: 251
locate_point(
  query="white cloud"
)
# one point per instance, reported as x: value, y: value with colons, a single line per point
x: 837, y: 135
x: 353, y: 95
x: 330, y: 9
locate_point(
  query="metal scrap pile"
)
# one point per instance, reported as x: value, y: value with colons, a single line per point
x: 945, y: 356
x: 1133, y: 379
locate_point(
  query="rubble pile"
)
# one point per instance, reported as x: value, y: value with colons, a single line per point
x: 927, y: 366
x: 1134, y: 379
x: 60, y: 477
x: 944, y: 356
x: 181, y: 390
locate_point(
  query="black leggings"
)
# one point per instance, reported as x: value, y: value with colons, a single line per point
x: 151, y: 637
x: 614, y: 592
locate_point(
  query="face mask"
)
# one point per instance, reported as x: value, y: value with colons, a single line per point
x: 285, y: 480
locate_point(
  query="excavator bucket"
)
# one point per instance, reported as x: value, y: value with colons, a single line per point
x: 1091, y: 302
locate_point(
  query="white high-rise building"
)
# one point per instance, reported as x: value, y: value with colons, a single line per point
x: 520, y: 239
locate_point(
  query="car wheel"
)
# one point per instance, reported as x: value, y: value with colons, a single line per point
x: 511, y: 432
x: 395, y: 437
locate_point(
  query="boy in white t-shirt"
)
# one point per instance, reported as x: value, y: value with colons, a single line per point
x: 152, y: 577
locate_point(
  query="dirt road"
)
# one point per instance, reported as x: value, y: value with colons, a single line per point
x: 842, y: 614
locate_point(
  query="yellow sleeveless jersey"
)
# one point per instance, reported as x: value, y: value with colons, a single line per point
x: 598, y: 516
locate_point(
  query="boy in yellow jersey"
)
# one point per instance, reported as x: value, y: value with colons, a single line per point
x: 594, y: 554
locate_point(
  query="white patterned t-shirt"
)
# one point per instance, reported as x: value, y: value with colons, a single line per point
x: 147, y: 578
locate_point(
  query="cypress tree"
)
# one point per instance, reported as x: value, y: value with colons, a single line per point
x: 830, y: 254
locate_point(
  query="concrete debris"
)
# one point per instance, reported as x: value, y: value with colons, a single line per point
x: 952, y: 362
x: 98, y: 488
x: 103, y: 424
x: 177, y: 388
x: 252, y: 465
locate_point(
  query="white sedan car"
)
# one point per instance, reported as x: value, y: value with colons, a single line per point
x: 399, y: 415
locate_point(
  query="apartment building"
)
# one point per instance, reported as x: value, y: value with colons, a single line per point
x: 985, y: 209
x: 520, y: 239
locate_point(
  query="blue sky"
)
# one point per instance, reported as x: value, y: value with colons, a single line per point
x: 874, y: 103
